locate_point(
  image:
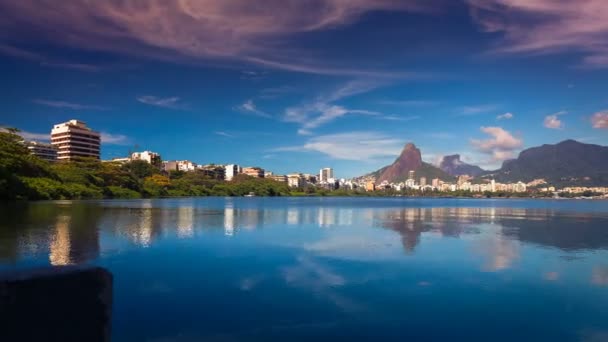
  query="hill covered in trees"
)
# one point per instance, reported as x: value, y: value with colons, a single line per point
x: 24, y: 176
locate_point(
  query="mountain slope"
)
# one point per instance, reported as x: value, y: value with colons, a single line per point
x: 456, y: 167
x: 568, y: 162
x: 409, y: 159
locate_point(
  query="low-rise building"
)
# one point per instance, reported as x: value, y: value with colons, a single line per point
x: 147, y: 156
x: 256, y: 172
x: 279, y: 178
x: 296, y: 180
x: 42, y: 150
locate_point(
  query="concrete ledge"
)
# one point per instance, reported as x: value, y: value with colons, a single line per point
x: 56, y: 304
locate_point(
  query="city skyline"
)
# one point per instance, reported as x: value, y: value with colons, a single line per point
x: 301, y: 87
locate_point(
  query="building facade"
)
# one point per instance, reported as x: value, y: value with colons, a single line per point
x: 73, y: 139
x: 231, y: 170
x: 257, y: 172
x: 147, y: 156
x: 326, y: 174
x: 43, y: 151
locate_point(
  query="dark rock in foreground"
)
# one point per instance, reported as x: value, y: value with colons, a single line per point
x: 56, y: 304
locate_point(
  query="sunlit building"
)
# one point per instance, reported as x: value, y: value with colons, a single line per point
x: 326, y: 174
x: 73, y: 139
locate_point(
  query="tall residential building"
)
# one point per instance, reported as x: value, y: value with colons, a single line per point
x: 422, y: 181
x: 411, y: 174
x: 435, y: 182
x: 326, y: 174
x: 41, y: 150
x: 147, y: 156
x: 73, y: 139
x: 231, y: 171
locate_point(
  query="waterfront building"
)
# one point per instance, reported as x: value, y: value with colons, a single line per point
x: 296, y: 180
x: 422, y: 181
x: 73, y: 139
x: 42, y: 150
x: 257, y: 172
x: 326, y: 175
x: 435, y: 183
x: 409, y: 183
x: 231, y: 170
x: 411, y: 174
x: 279, y: 178
x: 147, y: 156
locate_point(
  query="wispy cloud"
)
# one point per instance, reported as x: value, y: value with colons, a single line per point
x: 9, y: 50
x: 249, y: 107
x: 505, y: 116
x: 200, y: 30
x: 67, y: 105
x: 477, y: 110
x: 500, y: 146
x: 553, y: 122
x: 106, y: 138
x: 323, y: 109
x: 274, y: 92
x: 441, y: 135
x: 35, y: 136
x: 166, y: 102
x: 600, y: 120
x: 224, y: 134
x: 358, y: 145
x: 114, y: 139
x: 547, y: 26
x: 408, y: 103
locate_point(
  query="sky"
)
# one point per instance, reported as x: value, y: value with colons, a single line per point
x: 298, y: 85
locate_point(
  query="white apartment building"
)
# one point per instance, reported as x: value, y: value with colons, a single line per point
x: 73, y: 139
x: 231, y: 171
x: 147, y: 156
x: 326, y: 174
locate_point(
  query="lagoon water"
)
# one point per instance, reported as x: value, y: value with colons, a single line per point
x: 331, y: 268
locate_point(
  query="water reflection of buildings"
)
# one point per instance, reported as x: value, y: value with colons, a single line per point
x: 185, y: 222
x: 73, y: 241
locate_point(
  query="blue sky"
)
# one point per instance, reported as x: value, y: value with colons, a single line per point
x: 300, y: 85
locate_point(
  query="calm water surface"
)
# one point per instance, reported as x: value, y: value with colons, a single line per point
x: 339, y: 268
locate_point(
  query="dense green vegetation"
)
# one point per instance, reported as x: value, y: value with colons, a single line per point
x: 24, y: 176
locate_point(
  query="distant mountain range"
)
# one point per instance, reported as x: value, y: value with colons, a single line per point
x: 410, y: 159
x: 567, y: 163
x: 456, y: 167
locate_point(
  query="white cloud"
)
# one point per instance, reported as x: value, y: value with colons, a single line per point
x: 67, y: 105
x: 600, y: 120
x: 114, y: 139
x: 505, y: 116
x: 324, y: 110
x: 553, y: 122
x: 359, y: 146
x: 34, y: 136
x: 167, y: 102
x: 501, y: 145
